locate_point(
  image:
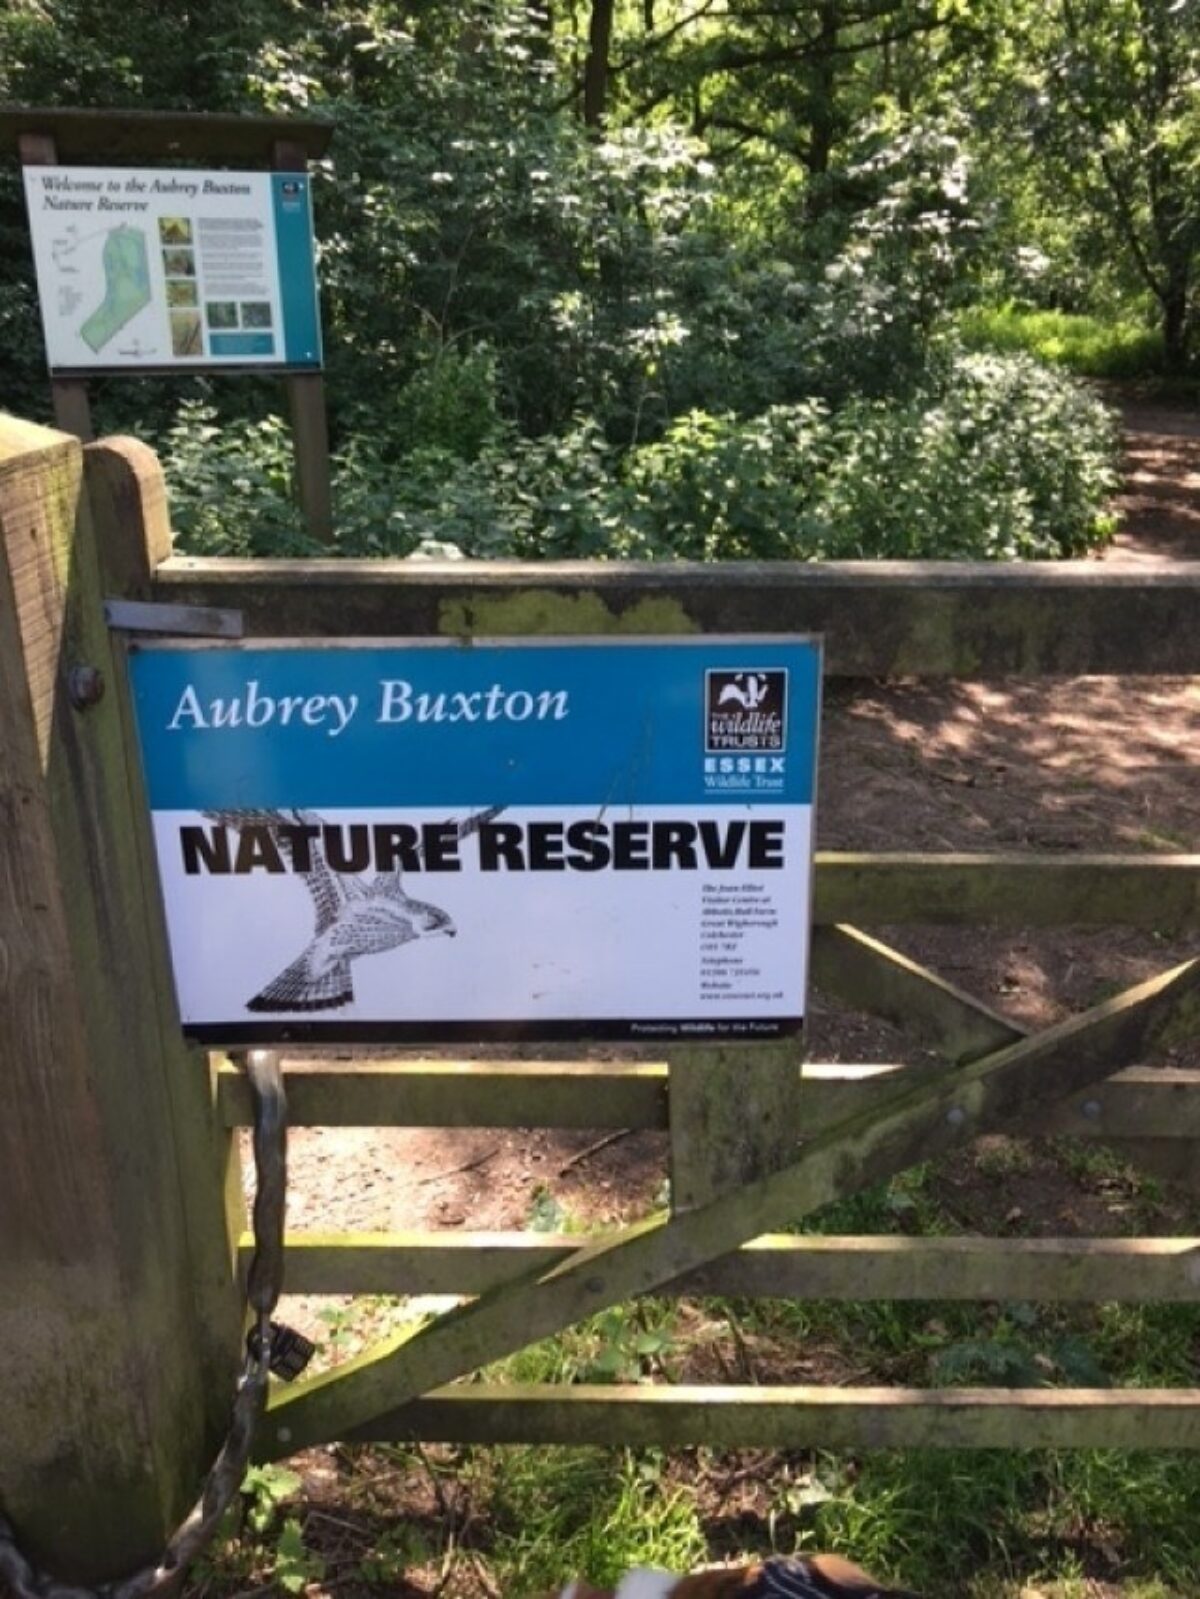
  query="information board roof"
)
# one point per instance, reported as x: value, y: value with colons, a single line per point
x: 108, y: 136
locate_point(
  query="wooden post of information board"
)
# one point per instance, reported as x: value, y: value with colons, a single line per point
x: 306, y: 403
x: 119, y: 1318
x: 72, y: 412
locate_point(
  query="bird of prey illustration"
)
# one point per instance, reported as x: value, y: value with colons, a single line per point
x: 354, y: 916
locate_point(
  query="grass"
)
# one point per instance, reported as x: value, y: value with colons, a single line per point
x: 1088, y: 346
x: 481, y: 1523
x: 587, y: 1510
x: 523, y: 1521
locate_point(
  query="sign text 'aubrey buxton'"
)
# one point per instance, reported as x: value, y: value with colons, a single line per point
x: 395, y: 700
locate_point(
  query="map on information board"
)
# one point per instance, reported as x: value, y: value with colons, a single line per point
x: 150, y: 268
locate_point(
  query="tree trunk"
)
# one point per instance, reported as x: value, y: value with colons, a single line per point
x: 595, y: 72
x: 1176, y: 324
x: 822, y: 116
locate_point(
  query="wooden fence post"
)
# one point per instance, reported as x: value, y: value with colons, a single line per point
x: 113, y: 1304
x: 306, y: 405
x: 127, y: 501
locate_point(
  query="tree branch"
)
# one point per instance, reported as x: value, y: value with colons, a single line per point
x: 750, y: 132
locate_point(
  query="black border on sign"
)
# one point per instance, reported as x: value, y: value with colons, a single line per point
x: 733, y: 1029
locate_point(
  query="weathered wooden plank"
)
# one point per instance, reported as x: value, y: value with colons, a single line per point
x: 464, y: 1094
x: 1010, y: 890
x: 862, y: 972
x: 930, y: 1118
x: 122, y: 136
x: 1005, y: 890
x: 801, y: 1418
x: 879, y: 618
x: 104, y: 1409
x: 1138, y: 1102
x: 127, y: 494
x: 781, y: 1265
x: 127, y: 498
x: 733, y: 1115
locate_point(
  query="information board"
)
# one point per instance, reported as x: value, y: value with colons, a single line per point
x: 431, y: 841
x: 148, y: 269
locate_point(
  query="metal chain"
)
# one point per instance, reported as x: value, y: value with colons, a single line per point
x: 264, y: 1285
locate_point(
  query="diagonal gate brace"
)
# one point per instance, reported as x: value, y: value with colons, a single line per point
x: 861, y: 971
x: 930, y: 1118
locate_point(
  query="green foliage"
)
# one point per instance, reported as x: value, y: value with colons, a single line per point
x: 621, y: 1345
x: 999, y: 461
x: 392, y: 1556
x: 295, y: 1565
x: 993, y: 458
x: 450, y: 404
x: 569, y: 1511
x: 626, y: 1349
x: 546, y: 340
x: 231, y: 483
x: 261, y: 1539
x: 937, y: 1515
x: 1011, y: 1360
x: 1089, y: 131
x: 1087, y: 346
x: 265, y: 1489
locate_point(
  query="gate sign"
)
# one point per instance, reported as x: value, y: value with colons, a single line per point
x: 147, y: 268
x: 431, y: 841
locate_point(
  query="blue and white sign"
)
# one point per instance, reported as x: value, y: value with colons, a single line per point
x: 148, y: 268
x: 435, y: 841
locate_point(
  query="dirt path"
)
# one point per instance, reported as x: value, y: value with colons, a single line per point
x: 1160, y: 501
x: 1084, y: 764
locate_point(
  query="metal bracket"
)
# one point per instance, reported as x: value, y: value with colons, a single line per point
x: 192, y: 621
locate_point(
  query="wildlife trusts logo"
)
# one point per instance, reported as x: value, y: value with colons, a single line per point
x: 745, y: 710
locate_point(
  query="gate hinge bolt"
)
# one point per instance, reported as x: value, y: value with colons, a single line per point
x: 85, y: 686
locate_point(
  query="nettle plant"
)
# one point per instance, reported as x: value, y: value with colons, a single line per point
x: 994, y: 458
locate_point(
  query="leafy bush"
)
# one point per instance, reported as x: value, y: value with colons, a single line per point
x: 1002, y: 460
x: 994, y: 458
x: 450, y: 403
x: 231, y: 484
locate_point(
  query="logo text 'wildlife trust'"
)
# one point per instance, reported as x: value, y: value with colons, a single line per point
x: 745, y: 710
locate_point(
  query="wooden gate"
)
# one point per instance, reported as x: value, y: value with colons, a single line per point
x: 758, y: 1138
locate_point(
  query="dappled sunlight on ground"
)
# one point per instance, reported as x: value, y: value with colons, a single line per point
x: 1077, y: 764
x: 1160, y: 500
